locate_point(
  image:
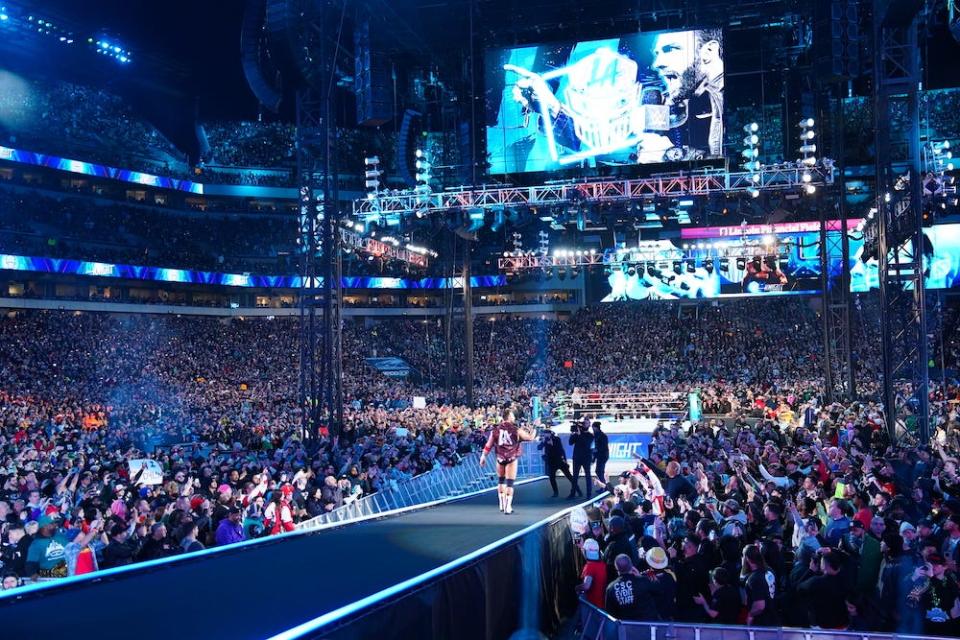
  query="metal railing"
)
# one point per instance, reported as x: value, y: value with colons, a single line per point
x: 597, y: 624
x: 635, y: 404
x: 437, y: 484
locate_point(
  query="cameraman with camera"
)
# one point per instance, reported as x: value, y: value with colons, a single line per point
x: 554, y: 458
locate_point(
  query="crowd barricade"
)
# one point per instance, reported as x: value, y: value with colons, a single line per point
x: 437, y: 484
x: 597, y: 624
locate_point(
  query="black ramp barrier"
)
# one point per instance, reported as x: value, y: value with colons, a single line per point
x: 524, y: 583
x: 262, y: 590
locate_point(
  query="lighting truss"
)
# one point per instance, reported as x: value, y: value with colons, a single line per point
x: 540, y: 261
x: 382, y: 249
x: 787, y: 176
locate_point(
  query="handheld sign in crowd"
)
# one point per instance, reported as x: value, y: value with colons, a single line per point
x: 579, y: 522
x: 152, y: 473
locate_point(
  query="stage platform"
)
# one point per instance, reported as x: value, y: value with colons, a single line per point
x: 258, y: 590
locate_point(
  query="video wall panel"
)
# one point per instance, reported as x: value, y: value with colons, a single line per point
x: 636, y: 99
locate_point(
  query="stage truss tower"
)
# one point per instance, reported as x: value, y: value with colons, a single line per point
x: 319, y: 240
x: 899, y: 235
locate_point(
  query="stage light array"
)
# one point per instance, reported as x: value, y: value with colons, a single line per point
x: 111, y: 49
x: 372, y: 175
x: 422, y: 176
x: 808, y: 148
x: 17, y: 22
x: 751, y: 157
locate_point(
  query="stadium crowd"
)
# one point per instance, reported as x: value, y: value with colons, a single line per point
x: 92, y: 124
x: 787, y: 497
x: 222, y: 427
x: 806, y: 516
x: 85, y: 123
x: 251, y: 144
x: 128, y: 234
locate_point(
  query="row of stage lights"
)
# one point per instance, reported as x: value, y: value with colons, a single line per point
x: 111, y: 50
x: 942, y: 157
x: 570, y: 253
x: 423, y: 175
x: 690, y: 266
x: 751, y: 155
x: 937, y: 183
x: 360, y: 228
x: 42, y: 26
x: 938, y: 187
x: 808, y: 149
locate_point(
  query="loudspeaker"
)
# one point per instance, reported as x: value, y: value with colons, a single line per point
x: 254, y: 16
x: 407, y: 145
x: 836, y: 38
x: 372, y: 80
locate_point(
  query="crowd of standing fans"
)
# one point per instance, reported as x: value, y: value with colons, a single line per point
x: 83, y: 123
x: 786, y: 511
x: 215, y: 405
x: 807, y: 516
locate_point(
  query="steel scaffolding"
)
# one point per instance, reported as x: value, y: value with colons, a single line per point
x: 774, y: 177
x: 319, y: 299
x: 903, y: 314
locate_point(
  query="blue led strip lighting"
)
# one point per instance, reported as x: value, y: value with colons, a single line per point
x: 98, y: 170
x: 10, y: 262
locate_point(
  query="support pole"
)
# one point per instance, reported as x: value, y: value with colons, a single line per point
x: 448, y: 320
x: 468, y: 323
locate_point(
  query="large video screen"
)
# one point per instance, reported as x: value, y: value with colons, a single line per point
x: 940, y: 258
x: 791, y: 267
x: 637, y: 99
x: 794, y: 269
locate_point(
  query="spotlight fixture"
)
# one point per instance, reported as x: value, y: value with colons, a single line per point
x: 808, y: 149
x: 372, y: 174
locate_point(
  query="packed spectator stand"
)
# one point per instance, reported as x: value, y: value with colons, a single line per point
x: 213, y: 402
x: 92, y: 229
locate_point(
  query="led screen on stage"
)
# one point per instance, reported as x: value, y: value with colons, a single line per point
x: 637, y: 99
x: 721, y: 262
x: 795, y: 271
x: 941, y: 260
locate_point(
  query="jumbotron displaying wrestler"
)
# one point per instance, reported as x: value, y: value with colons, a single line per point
x: 763, y: 273
x: 504, y: 440
x: 607, y: 101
